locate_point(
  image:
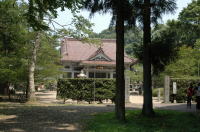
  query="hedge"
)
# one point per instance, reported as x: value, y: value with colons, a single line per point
x: 182, y: 85
x: 87, y: 89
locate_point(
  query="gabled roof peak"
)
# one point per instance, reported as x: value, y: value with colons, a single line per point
x: 100, y: 50
x: 99, y: 55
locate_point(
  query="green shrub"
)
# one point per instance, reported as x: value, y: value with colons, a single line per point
x: 86, y: 89
x: 51, y: 85
x: 155, y: 92
x: 182, y: 85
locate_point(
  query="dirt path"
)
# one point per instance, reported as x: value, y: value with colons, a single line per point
x: 50, y: 97
x: 47, y: 97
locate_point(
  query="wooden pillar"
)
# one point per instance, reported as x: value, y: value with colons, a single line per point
x: 87, y: 74
x: 72, y: 74
x: 111, y: 74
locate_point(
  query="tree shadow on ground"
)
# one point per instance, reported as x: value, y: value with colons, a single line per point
x: 47, y: 118
x: 57, y: 117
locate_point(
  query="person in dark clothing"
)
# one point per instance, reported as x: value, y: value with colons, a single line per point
x: 190, y: 93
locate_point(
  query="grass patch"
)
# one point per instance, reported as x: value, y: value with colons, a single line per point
x: 164, y: 121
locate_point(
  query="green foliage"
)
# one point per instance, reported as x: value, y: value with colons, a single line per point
x: 13, y: 40
x: 17, y: 39
x: 186, y: 33
x: 156, y: 90
x: 48, y: 59
x: 164, y: 121
x: 105, y: 34
x: 182, y: 85
x: 132, y: 36
x: 163, y: 48
x: 190, y: 14
x: 80, y: 28
x: 7, y: 76
x: 50, y: 84
x: 136, y: 74
x: 86, y: 89
x: 186, y: 65
x: 158, y: 81
x: 48, y: 8
x: 104, y: 89
x: 189, y: 23
x: 16, y: 43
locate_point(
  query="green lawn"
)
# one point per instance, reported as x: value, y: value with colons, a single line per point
x: 164, y: 121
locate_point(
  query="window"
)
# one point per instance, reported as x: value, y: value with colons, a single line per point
x: 78, y: 68
x: 108, y: 75
x: 100, y: 75
x: 99, y: 67
x: 67, y: 67
x: 114, y: 75
x: 91, y: 74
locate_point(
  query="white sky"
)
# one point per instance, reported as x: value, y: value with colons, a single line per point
x: 102, y: 21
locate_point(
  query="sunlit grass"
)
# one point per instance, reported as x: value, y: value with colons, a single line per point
x: 164, y: 121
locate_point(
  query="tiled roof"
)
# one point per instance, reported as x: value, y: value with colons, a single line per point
x: 99, y: 51
x: 77, y: 51
x: 97, y: 62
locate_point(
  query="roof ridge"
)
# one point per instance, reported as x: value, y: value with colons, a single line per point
x: 75, y: 39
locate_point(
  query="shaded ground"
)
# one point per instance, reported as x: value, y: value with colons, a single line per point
x: 36, y: 118
x: 50, y: 115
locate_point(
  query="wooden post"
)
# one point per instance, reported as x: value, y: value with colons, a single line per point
x: 166, y: 89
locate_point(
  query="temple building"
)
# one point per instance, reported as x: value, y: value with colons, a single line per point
x: 95, y: 61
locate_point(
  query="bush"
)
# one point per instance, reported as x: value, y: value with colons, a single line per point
x: 86, y: 89
x: 155, y: 92
x: 51, y: 85
x: 182, y: 85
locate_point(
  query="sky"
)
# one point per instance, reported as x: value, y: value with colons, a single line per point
x: 102, y: 21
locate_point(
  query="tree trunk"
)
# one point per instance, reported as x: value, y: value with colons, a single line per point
x: 147, y: 105
x: 120, y: 82
x: 31, y: 87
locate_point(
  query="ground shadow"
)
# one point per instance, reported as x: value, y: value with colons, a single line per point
x: 59, y: 118
x: 47, y: 118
